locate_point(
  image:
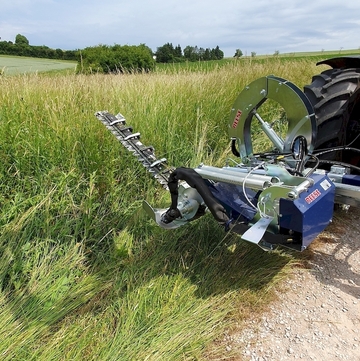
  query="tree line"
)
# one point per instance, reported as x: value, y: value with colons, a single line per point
x: 110, y: 59
x: 170, y: 54
x: 21, y: 47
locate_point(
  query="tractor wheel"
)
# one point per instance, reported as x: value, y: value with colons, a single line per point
x: 335, y: 96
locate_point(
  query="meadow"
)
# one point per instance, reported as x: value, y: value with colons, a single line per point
x: 12, y: 65
x: 84, y: 274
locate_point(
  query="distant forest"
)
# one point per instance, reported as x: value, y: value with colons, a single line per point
x: 21, y: 47
x: 164, y: 54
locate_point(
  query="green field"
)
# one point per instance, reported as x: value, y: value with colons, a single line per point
x: 84, y: 274
x: 11, y: 65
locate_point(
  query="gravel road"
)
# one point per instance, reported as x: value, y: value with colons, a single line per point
x: 316, y: 315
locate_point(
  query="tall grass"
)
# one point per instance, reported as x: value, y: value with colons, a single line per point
x: 84, y: 275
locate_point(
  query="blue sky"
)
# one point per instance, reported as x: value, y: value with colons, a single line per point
x: 256, y: 26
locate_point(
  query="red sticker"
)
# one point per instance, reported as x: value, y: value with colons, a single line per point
x: 237, y: 118
x: 312, y: 196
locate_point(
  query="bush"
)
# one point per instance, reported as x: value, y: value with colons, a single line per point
x: 115, y: 59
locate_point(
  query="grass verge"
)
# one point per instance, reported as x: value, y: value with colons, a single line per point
x: 84, y: 274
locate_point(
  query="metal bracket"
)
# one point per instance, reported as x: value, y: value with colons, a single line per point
x: 299, y: 112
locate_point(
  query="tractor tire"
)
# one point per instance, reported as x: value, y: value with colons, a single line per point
x: 335, y: 97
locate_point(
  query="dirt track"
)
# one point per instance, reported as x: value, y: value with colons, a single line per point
x: 317, y: 312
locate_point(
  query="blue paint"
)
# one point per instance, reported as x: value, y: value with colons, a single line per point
x: 233, y: 200
x: 311, y: 212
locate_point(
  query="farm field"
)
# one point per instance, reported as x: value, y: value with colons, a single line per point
x: 11, y: 65
x: 84, y: 274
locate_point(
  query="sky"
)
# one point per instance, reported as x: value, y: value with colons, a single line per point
x: 259, y: 26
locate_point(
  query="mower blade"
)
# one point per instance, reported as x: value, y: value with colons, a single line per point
x: 116, y: 124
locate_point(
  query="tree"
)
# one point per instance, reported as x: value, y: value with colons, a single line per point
x: 165, y: 53
x: 238, y: 53
x: 21, y: 40
x: 190, y: 53
x: 195, y: 54
x: 59, y: 54
x: 168, y: 54
x: 219, y: 54
x: 201, y: 54
x: 178, y: 52
x: 207, y: 54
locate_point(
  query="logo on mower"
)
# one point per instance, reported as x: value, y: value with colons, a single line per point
x: 312, y: 196
x: 237, y: 118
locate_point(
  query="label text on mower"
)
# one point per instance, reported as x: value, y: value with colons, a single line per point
x: 312, y: 196
x: 237, y: 118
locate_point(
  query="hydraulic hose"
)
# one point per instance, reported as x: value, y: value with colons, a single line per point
x: 194, y: 180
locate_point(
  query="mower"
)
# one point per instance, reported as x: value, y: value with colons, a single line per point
x: 285, y: 196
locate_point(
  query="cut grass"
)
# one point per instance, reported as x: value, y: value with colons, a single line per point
x: 84, y: 275
x: 12, y: 65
